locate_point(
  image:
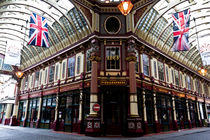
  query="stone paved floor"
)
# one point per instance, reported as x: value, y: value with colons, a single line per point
x: 21, y: 133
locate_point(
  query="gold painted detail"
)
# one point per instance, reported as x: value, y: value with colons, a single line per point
x: 131, y: 58
x: 95, y: 58
x: 113, y: 82
x: 116, y: 57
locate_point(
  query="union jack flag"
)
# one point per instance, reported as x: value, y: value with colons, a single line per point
x: 181, y: 23
x: 38, y: 33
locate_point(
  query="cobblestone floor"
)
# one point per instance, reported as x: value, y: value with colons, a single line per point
x: 21, y: 133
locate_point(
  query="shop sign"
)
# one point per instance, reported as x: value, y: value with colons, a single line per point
x: 113, y: 82
x: 200, y: 99
x: 207, y: 101
x: 96, y: 107
x: 178, y: 94
x: 162, y: 90
x: 190, y: 97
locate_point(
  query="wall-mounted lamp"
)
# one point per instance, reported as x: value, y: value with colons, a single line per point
x: 19, y: 74
x: 203, y: 71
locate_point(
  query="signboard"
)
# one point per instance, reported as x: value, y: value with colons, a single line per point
x: 96, y: 107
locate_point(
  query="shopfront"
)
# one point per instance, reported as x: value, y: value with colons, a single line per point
x: 48, y: 111
x: 164, y: 111
x: 181, y: 112
x: 32, y: 112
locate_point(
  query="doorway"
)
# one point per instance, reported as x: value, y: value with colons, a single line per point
x: 115, y: 110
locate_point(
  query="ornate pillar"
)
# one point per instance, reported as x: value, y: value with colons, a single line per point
x: 133, y: 120
x: 39, y: 111
x: 198, y: 113
x: 56, y: 123
x: 93, y: 120
x: 81, y: 111
x: 157, y: 125
x: 26, y: 113
x: 144, y: 112
x: 174, y: 113
x: 8, y: 114
x: 188, y: 114
x: 13, y: 120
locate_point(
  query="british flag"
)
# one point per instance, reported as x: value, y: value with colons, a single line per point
x: 181, y: 23
x: 38, y: 33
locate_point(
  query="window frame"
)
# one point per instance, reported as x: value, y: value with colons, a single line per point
x: 120, y: 55
x: 146, y: 65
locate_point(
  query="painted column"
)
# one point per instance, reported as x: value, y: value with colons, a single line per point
x: 133, y: 120
x: 39, y: 113
x: 144, y: 112
x: 56, y: 123
x: 206, y: 111
x: 198, y: 113
x: 13, y: 120
x: 93, y: 120
x: 157, y: 125
x: 174, y: 113
x: 26, y: 113
x: 8, y: 114
x: 80, y: 111
x: 188, y: 114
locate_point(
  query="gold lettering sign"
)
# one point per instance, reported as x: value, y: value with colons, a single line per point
x: 190, y: 97
x: 162, y: 90
x: 113, y: 82
x: 113, y: 57
x: 207, y: 101
x: 200, y: 99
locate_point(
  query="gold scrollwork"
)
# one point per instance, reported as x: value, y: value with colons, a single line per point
x: 131, y: 58
x: 95, y: 58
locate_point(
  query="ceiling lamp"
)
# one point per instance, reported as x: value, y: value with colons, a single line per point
x: 203, y: 71
x: 107, y: 1
x: 125, y: 7
x: 19, y: 74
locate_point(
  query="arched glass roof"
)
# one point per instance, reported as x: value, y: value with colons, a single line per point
x: 66, y: 25
x: 155, y: 26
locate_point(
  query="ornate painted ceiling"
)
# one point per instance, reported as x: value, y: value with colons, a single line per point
x: 68, y: 23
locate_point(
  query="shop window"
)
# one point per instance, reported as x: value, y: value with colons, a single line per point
x: 150, y: 108
x: 112, y: 58
x: 167, y: 75
x: 198, y: 86
x: 64, y: 70
x: 78, y: 64
x: 46, y: 74
x: 32, y: 80
x: 71, y: 66
x: 145, y: 64
x: 176, y: 77
x: 51, y: 73
x: 137, y: 61
x: 88, y: 62
x: 21, y: 111
x: 161, y: 71
x: 155, y: 68
x: 36, y: 79
x: 181, y: 80
x: 40, y: 78
x: 56, y: 72
x: 172, y: 75
x: 69, y: 108
x: 188, y: 81
x: 164, y: 111
x: 26, y: 83
x: 33, y: 110
x: 48, y: 109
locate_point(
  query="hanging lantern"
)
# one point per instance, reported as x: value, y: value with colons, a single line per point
x: 202, y: 71
x: 125, y: 7
x: 107, y: 1
x: 19, y: 74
